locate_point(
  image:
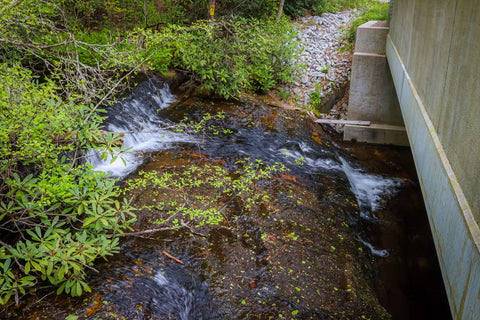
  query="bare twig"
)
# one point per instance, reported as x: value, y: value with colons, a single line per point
x: 172, y: 257
x: 183, y: 224
x: 128, y: 234
x: 36, y: 46
x: 114, y: 87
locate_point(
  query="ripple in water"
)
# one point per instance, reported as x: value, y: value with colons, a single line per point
x: 174, y: 293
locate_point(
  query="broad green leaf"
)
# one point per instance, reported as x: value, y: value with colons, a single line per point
x: 61, y: 272
x: 89, y: 221
x: 36, y: 266
x: 50, y: 267
x: 61, y: 288
x: 6, y: 265
x: 27, y: 267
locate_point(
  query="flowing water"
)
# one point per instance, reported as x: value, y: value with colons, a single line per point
x: 343, y: 234
x: 144, y: 131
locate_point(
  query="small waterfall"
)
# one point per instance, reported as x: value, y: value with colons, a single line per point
x: 370, y: 190
x: 300, y: 153
x: 144, y: 130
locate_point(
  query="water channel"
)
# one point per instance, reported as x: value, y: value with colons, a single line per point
x: 342, y: 235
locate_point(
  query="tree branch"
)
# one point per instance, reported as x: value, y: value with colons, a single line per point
x: 128, y: 234
x: 37, y: 46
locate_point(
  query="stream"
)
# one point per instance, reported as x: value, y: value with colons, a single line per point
x: 342, y: 234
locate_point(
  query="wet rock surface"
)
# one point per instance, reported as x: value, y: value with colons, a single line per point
x: 297, y: 255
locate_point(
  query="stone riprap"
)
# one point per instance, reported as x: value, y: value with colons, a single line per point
x: 322, y: 38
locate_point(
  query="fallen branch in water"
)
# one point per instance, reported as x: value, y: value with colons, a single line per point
x: 137, y: 233
x: 172, y: 257
x: 190, y: 229
x: 182, y: 224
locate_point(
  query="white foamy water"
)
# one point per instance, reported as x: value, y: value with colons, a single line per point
x: 160, y: 279
x: 313, y: 162
x: 370, y: 190
x: 179, y: 300
x: 305, y: 155
x: 144, y: 131
x: 376, y: 252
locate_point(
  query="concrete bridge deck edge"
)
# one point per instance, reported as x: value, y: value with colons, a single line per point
x: 456, y: 233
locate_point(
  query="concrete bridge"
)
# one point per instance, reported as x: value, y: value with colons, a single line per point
x: 432, y: 50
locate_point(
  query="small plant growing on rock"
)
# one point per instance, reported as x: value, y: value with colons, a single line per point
x: 325, y: 69
x: 283, y: 94
x: 316, y: 96
x: 197, y: 196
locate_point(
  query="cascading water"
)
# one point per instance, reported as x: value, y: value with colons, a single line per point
x: 172, y: 293
x: 300, y: 255
x: 144, y: 131
x: 138, y: 118
x: 370, y: 190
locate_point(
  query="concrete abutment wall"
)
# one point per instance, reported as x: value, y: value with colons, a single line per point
x: 433, y: 49
x: 372, y: 94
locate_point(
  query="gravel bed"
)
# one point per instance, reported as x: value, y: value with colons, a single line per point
x: 328, y: 66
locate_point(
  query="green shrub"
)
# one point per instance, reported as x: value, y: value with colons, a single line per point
x: 323, y: 6
x: 96, y: 15
x: 283, y: 93
x: 315, y: 99
x: 246, y: 9
x: 57, y: 215
x: 129, y: 14
x: 231, y: 56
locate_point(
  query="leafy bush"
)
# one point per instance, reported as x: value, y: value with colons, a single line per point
x: 57, y: 215
x: 189, y: 11
x: 232, y: 56
x: 96, y: 15
x: 246, y: 9
x: 120, y: 50
x: 129, y: 14
x: 336, y: 5
x: 90, y: 66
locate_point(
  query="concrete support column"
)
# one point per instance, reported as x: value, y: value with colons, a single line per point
x: 372, y: 94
